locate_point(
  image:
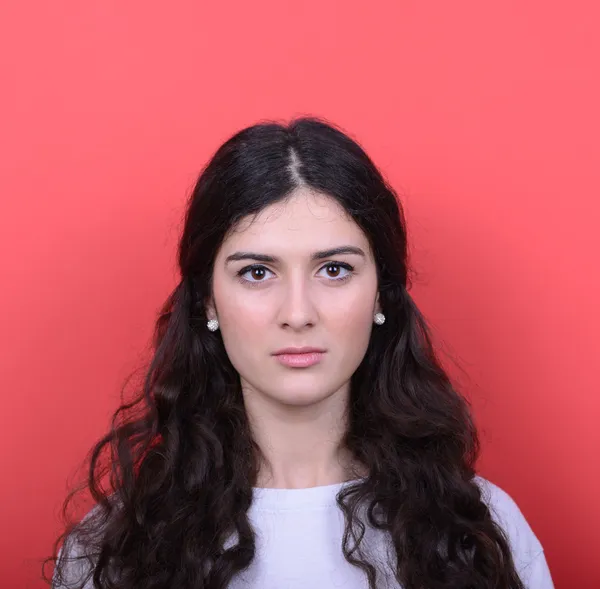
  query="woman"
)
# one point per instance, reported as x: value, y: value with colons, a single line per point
x: 295, y: 429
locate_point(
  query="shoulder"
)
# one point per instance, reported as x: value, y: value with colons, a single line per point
x: 527, y: 550
x: 76, y: 558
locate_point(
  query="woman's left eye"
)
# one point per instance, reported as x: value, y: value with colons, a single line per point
x: 336, y: 267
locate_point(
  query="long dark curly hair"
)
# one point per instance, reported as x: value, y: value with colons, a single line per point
x: 173, y: 479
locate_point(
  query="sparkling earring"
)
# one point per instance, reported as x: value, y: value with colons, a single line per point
x: 212, y: 325
x: 379, y: 318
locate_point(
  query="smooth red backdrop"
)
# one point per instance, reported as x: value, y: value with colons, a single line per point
x: 484, y: 115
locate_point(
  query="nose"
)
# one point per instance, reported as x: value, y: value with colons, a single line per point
x: 297, y: 309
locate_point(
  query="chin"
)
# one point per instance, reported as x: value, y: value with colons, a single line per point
x: 300, y: 396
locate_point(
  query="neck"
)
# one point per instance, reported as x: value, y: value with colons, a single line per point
x: 301, y: 446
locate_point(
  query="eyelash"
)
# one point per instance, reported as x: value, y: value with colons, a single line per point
x: 254, y: 283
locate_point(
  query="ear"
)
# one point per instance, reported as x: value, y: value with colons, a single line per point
x: 209, y: 306
x: 377, y: 304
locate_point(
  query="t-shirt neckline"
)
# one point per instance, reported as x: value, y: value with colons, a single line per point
x: 267, y: 498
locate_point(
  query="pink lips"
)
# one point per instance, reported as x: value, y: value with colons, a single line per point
x: 299, y: 357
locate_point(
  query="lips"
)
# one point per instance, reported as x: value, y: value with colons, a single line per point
x: 303, y: 350
x: 299, y: 357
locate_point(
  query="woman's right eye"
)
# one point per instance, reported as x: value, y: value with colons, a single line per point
x: 256, y: 273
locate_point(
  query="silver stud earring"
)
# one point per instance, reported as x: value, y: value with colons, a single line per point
x: 379, y: 318
x: 213, y: 324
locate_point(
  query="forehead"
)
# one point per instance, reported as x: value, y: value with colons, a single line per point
x: 306, y: 220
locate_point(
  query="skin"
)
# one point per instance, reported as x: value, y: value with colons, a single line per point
x: 297, y: 415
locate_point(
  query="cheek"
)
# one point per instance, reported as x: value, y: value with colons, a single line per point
x: 244, y: 316
x: 352, y: 313
x: 349, y: 328
x: 243, y: 331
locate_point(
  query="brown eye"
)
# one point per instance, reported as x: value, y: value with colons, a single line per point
x: 257, y: 273
x: 253, y: 274
x: 338, y: 272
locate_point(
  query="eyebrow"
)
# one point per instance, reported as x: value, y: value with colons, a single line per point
x: 320, y: 255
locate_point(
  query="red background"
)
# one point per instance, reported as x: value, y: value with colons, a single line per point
x: 485, y: 117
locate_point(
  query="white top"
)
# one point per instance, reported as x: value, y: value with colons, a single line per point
x: 299, y: 535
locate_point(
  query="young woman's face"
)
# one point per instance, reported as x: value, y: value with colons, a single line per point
x: 301, y: 295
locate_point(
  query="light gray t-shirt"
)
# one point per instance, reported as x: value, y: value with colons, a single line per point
x: 299, y: 542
